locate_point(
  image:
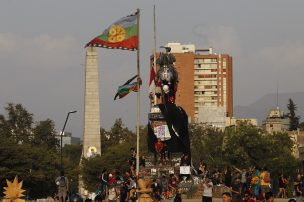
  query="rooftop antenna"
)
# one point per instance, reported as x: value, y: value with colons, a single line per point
x: 277, y: 86
x: 277, y: 94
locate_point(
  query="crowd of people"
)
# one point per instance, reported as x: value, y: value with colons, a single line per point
x: 239, y: 185
x: 249, y: 185
x: 244, y: 184
x: 115, y: 186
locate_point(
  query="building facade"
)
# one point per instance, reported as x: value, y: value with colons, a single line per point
x: 232, y: 121
x: 68, y: 139
x: 276, y: 121
x: 205, y: 80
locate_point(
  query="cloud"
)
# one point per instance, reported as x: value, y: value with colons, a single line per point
x: 43, y: 51
x: 7, y: 43
x: 222, y: 38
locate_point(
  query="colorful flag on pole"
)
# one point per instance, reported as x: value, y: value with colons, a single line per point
x: 127, y: 87
x: 122, y: 34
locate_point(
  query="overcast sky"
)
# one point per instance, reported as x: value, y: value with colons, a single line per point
x: 42, y: 51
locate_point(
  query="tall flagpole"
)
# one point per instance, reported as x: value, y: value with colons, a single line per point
x: 154, y: 52
x: 138, y: 97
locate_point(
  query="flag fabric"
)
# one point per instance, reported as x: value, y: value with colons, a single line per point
x: 122, y: 34
x: 128, y: 87
x: 151, y: 82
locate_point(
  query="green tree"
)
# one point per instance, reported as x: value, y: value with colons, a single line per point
x: 206, y: 145
x: 44, y: 134
x: 143, y: 142
x: 71, y: 160
x: 301, y: 126
x: 36, y: 166
x: 118, y: 133
x: 28, y: 152
x: 104, y: 139
x: 293, y: 119
x: 18, y: 123
x: 115, y: 158
x: 244, y: 146
x: 115, y: 154
x: 90, y: 172
x: 249, y: 145
x: 280, y: 156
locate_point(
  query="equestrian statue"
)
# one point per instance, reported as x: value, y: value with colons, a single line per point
x: 168, y: 123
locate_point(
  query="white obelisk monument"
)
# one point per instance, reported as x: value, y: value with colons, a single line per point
x: 91, y: 133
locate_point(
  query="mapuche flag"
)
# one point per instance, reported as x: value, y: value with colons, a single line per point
x: 127, y: 87
x: 122, y: 34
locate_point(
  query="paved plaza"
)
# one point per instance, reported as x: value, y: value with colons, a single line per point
x: 220, y: 200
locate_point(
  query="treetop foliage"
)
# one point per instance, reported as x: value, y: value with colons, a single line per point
x: 293, y: 119
x: 30, y: 150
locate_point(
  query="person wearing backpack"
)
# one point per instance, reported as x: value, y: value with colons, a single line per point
x: 63, y: 187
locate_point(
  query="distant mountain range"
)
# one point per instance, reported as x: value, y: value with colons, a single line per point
x: 261, y: 107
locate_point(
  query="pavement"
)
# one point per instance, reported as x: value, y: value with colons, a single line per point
x: 220, y: 200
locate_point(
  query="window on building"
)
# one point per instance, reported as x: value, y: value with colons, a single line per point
x: 206, y: 66
x: 207, y: 76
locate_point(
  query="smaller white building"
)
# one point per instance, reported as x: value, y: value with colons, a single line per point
x: 276, y: 121
x: 232, y: 121
x: 68, y: 139
x: 181, y: 48
x: 212, y: 116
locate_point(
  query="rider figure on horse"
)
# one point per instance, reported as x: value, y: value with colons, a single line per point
x: 166, y: 77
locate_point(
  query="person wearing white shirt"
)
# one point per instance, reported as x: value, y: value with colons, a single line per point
x: 207, y: 194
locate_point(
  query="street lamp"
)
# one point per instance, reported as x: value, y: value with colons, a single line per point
x: 61, y: 134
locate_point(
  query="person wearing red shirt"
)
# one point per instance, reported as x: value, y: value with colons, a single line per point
x: 248, y: 197
x: 172, y: 184
x: 159, y: 149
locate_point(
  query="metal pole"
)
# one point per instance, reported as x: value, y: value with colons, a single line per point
x: 61, y: 134
x: 138, y: 99
x: 154, y: 51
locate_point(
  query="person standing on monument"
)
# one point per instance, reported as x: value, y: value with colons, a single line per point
x: 185, y: 162
x: 132, y: 158
x: 63, y: 186
x: 159, y: 150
